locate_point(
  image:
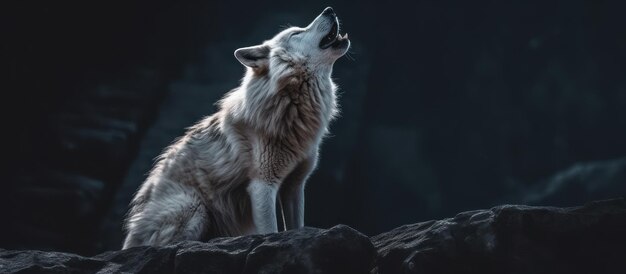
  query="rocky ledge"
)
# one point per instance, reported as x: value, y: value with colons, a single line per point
x: 504, y: 239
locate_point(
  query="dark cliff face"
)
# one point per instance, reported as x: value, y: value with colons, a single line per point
x: 505, y: 239
x: 511, y: 239
x: 308, y: 250
x: 446, y: 106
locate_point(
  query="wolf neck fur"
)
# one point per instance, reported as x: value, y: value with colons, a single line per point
x: 290, y: 103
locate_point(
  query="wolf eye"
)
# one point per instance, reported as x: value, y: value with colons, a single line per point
x: 294, y: 34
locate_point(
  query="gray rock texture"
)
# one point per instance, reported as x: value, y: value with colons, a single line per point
x: 310, y: 250
x: 511, y: 239
x: 505, y: 239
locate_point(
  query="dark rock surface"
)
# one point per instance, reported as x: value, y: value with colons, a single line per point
x: 76, y: 167
x: 511, y: 239
x: 309, y: 250
x: 504, y: 239
x: 83, y: 95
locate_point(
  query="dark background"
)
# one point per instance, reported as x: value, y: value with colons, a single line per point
x: 446, y: 106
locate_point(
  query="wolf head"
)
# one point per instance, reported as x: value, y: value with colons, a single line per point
x: 314, y: 48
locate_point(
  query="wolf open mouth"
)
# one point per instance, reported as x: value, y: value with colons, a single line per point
x: 333, y: 38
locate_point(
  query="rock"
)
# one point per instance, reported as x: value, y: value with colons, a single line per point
x: 80, y: 143
x: 96, y: 120
x: 309, y: 250
x: 56, y: 201
x: 46, y: 207
x: 147, y: 260
x: 89, y: 187
x: 511, y: 239
x: 505, y: 239
x: 587, y: 181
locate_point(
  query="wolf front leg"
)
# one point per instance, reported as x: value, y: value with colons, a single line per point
x: 292, y: 193
x: 263, y: 203
x: 292, y: 198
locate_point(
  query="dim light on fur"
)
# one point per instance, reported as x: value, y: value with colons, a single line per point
x: 226, y: 174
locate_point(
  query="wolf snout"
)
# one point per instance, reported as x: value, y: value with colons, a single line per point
x: 328, y: 11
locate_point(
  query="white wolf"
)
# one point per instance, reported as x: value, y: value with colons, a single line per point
x: 224, y: 176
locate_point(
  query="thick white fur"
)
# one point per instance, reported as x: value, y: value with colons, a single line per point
x: 224, y: 176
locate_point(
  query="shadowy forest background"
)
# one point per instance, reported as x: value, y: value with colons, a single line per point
x: 446, y: 106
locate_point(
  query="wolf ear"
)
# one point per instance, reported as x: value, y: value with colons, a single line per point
x: 254, y: 57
